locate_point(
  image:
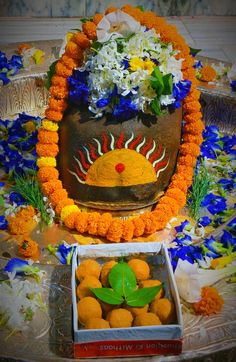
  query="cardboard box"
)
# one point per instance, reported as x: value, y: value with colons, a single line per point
x: 134, y: 341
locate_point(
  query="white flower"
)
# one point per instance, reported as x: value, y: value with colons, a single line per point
x: 118, y: 24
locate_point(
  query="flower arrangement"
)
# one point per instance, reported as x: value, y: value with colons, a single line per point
x: 174, y: 80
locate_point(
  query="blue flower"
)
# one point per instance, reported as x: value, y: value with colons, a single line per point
x: 214, y: 203
x: 78, y: 88
x: 232, y: 224
x: 227, y: 184
x: 198, y: 65
x: 103, y: 102
x: 3, y: 77
x: 181, y: 227
x: 17, y: 198
x: 3, y: 223
x: 214, y: 248
x: 211, y: 133
x: 124, y: 109
x: 228, y: 240
x: 125, y: 63
x: 204, y: 220
x: 22, y: 267
x: 233, y: 85
x: 62, y: 252
x: 180, y: 91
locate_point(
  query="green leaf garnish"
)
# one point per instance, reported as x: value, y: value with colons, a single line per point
x: 108, y: 295
x: 194, y: 51
x: 168, y: 84
x: 157, y: 81
x: 155, y: 106
x: 143, y: 296
x: 50, y: 74
x: 1, y: 201
x: 122, y: 279
x: 84, y: 20
x: 140, y: 7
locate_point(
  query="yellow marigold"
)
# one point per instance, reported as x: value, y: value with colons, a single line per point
x: 74, y: 51
x: 104, y: 224
x: 115, y: 230
x: 139, y: 226
x: 111, y: 9
x: 63, y: 70
x: 45, y: 150
x: 63, y: 203
x: 47, y: 173
x: 89, y: 28
x: 59, y: 92
x: 97, y: 18
x: 59, y: 81
x: 57, y: 196
x: 46, y: 161
x: 211, y: 302
x: 82, y: 40
x: 69, y: 220
x: 128, y: 230
x: 57, y: 104
x: 53, y: 115
x: 93, y: 221
x: 81, y: 222
x: 45, y: 136
x: 207, y: 74
x: 50, y: 186
x: 49, y: 125
x: 30, y: 126
x: 67, y: 210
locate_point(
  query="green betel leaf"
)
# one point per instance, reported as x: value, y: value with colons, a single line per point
x: 140, y: 7
x: 50, y: 74
x: 155, y: 106
x: 122, y: 279
x: 143, y: 296
x: 194, y: 51
x: 157, y: 81
x: 1, y: 201
x: 108, y: 295
x: 168, y: 84
x: 84, y: 20
x: 96, y: 46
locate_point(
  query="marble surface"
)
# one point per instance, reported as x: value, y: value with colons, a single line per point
x: 70, y: 8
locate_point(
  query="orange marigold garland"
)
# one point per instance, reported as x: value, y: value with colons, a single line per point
x: 115, y: 229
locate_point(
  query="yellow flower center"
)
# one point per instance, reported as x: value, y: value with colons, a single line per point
x: 137, y: 63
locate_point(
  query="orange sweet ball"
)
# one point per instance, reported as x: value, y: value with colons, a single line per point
x: 106, y: 268
x: 83, y: 289
x: 137, y: 310
x: 96, y: 323
x: 140, y: 268
x: 164, y: 309
x: 120, y: 318
x: 88, y: 267
x: 87, y: 308
x: 152, y: 283
x: 208, y: 74
x: 146, y: 319
x: 106, y: 308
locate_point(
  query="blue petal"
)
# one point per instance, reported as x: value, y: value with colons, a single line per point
x: 16, y: 265
x: 204, y: 220
x: 3, y: 223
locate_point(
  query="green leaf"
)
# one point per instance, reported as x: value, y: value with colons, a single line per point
x: 157, y: 81
x: 194, y: 51
x: 140, y: 7
x: 143, y: 296
x: 1, y: 201
x: 84, y: 20
x: 96, y: 46
x: 155, y: 106
x: 122, y: 279
x: 50, y: 74
x: 108, y: 295
x: 168, y: 84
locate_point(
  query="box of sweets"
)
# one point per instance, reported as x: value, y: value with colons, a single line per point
x: 106, y: 338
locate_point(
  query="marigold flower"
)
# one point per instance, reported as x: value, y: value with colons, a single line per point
x: 63, y: 70
x: 195, y: 128
x: 104, y: 223
x: 136, y: 13
x: 128, y: 230
x: 53, y: 115
x: 149, y: 19
x: 115, y: 230
x: 193, y: 95
x: 59, y: 92
x: 111, y: 9
x: 69, y: 220
x: 49, y: 125
x: 28, y: 248
x: 74, y: 51
x: 163, y: 212
x: 63, y: 203
x: 69, y: 62
x: 82, y: 40
x: 189, y: 73
x: 178, y: 195
x: 67, y: 210
x: 22, y: 47
x: 46, y: 161
x: 47, y: 173
x: 47, y: 136
x: 59, y: 81
x: 57, y: 196
x: 211, y: 302
x: 193, y: 117
x: 179, y: 183
x: 139, y: 226
x: 197, y: 139
x: 81, y: 222
x: 187, y: 160
x: 26, y: 213
x: 97, y: 18
x: 89, y: 28
x: 50, y: 186
x: 190, y: 107
x: 187, y: 171
x: 150, y: 222
x: 189, y: 149
x: 171, y: 202
x: 207, y: 74
x: 23, y: 222
x: 93, y: 221
x: 46, y: 150
x: 30, y: 126
x: 188, y: 62
x: 57, y: 104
